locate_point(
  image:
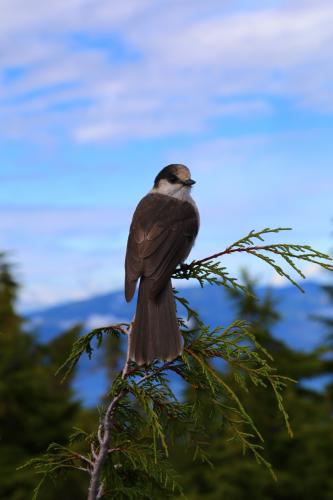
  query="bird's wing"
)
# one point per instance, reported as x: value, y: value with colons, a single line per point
x: 161, y: 236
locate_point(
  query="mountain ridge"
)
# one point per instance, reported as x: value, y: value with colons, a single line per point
x: 213, y: 304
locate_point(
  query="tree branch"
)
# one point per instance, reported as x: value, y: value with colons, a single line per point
x: 96, y: 487
x: 228, y: 251
x: 209, y: 270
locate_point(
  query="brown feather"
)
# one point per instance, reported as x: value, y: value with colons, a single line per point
x: 161, y: 236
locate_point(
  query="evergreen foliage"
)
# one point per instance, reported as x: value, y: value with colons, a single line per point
x: 209, y: 271
x: 128, y: 456
x: 304, y: 464
x: 35, y: 408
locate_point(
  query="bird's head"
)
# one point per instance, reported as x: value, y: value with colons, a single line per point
x: 172, y: 178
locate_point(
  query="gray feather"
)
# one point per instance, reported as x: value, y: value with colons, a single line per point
x: 155, y: 333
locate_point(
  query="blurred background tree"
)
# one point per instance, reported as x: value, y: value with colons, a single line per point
x: 35, y: 409
x: 304, y: 464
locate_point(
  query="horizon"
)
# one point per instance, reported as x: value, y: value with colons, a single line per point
x: 183, y: 286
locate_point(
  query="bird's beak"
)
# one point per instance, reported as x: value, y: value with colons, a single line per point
x: 189, y: 182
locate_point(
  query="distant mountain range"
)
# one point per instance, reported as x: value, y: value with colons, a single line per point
x: 296, y: 326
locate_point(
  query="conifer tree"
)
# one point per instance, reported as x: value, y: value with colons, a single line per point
x: 127, y: 455
x: 34, y: 408
x: 304, y: 464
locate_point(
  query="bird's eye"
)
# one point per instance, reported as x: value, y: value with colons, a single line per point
x: 173, y: 178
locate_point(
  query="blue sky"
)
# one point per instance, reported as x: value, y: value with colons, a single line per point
x: 96, y: 97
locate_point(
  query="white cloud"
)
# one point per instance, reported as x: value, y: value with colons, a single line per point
x: 100, y: 320
x: 179, y: 65
x: 265, y: 39
x: 311, y: 271
x: 65, y: 254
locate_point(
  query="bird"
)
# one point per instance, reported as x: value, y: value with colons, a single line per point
x: 163, y: 230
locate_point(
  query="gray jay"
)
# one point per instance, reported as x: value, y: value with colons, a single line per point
x: 163, y: 230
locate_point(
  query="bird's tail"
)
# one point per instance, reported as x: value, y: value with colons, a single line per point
x: 155, y: 333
